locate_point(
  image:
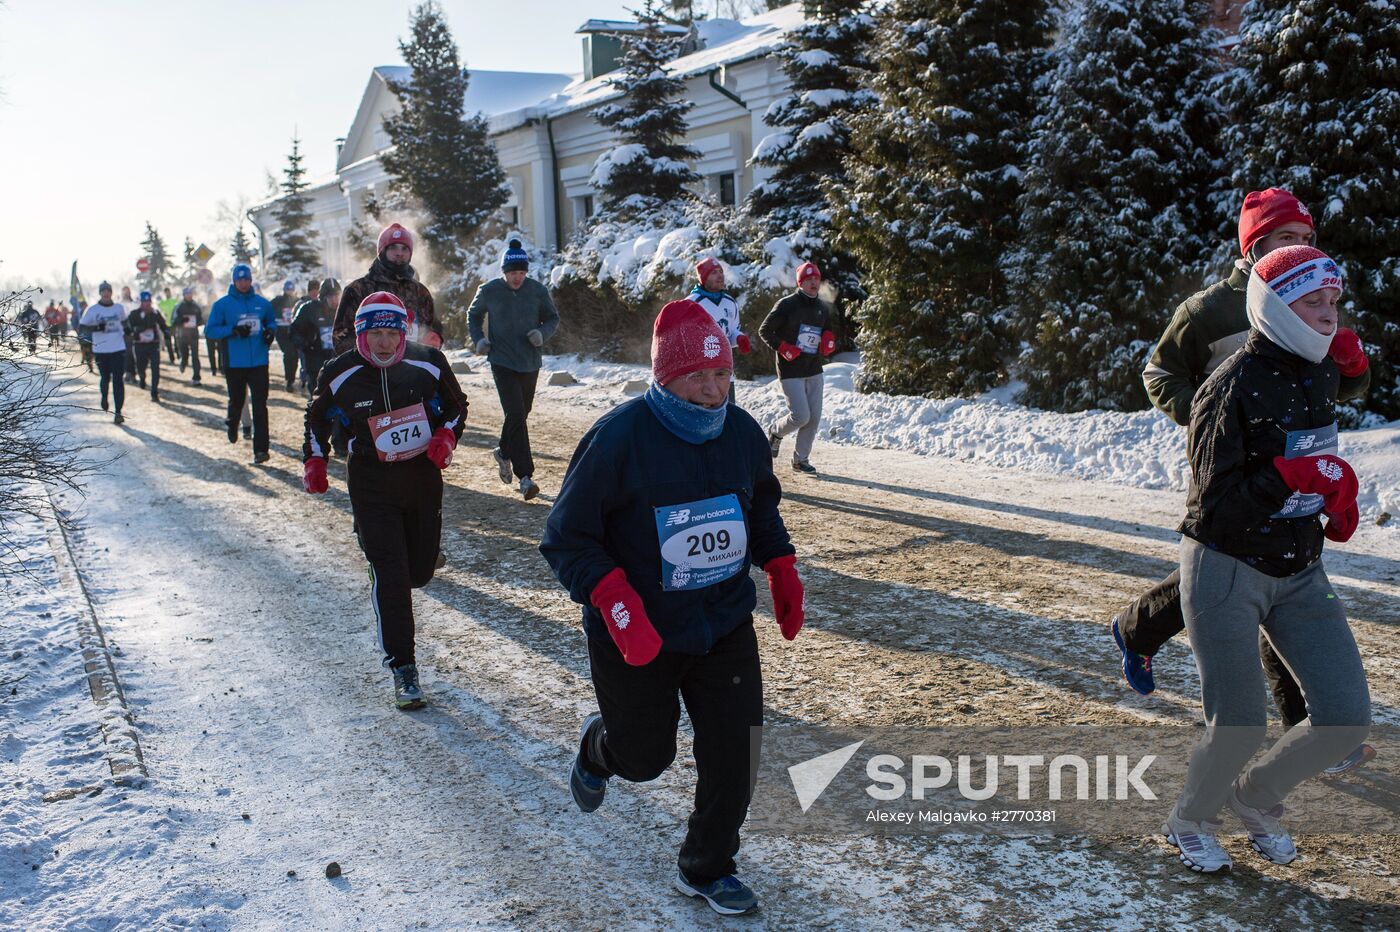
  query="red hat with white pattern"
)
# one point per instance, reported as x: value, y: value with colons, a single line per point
x: 705, y: 267
x: 395, y: 233
x: 685, y: 339
x: 1266, y: 211
x: 807, y: 270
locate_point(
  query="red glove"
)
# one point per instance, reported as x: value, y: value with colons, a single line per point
x: 788, y: 598
x: 440, y: 447
x: 626, y: 619
x: 745, y: 347
x: 1328, y: 476
x: 828, y: 343
x: 432, y: 339
x: 313, y: 475
x: 788, y: 351
x: 1341, y: 526
x: 1346, y: 351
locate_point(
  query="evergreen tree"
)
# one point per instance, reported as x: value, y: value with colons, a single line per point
x: 242, y: 250
x: 191, y: 269
x: 824, y: 64
x: 1316, y: 102
x: 1116, y: 222
x: 158, y: 273
x: 933, y: 179
x: 647, y: 169
x: 442, y: 160
x: 294, y: 253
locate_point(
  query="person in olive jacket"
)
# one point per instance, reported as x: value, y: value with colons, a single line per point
x: 1264, y: 474
x: 390, y: 272
x: 521, y: 318
x: 798, y: 329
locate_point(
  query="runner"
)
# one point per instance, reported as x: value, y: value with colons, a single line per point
x: 1207, y: 329
x: 166, y: 306
x: 56, y: 323
x: 186, y: 320
x: 403, y: 401
x: 711, y: 296
x: 83, y: 334
x: 520, y: 317
x: 105, y: 323
x: 678, y: 466
x: 285, y: 306
x: 147, y: 326
x: 29, y: 320
x: 128, y: 302
x: 390, y: 272
x: 1263, y: 470
x: 798, y: 330
x: 313, y: 328
x: 218, y: 353
x: 249, y: 324
x: 313, y: 291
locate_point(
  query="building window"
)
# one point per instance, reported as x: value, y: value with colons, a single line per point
x: 583, y: 208
x: 511, y: 215
x: 727, y: 190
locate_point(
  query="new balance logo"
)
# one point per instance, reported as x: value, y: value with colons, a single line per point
x: 385, y: 421
x: 678, y: 517
x: 1307, y: 443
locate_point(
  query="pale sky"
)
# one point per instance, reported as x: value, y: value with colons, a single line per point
x: 115, y: 112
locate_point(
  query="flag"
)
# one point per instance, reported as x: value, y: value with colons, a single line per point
x: 75, y: 290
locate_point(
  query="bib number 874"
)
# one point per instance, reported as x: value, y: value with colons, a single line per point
x: 707, y: 542
x: 399, y: 437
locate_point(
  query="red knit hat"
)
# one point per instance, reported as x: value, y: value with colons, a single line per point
x: 807, y: 270
x: 705, y: 267
x: 685, y: 339
x: 1266, y: 211
x: 395, y: 233
x: 1295, y: 271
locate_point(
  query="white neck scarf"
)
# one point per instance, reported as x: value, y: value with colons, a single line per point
x: 1276, y: 320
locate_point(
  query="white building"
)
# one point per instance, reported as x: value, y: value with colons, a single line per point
x: 547, y: 140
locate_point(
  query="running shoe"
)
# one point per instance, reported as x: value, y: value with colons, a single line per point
x: 262, y: 457
x: 118, y: 419
x: 774, y: 444
x: 1137, y: 668
x: 502, y: 465
x: 728, y: 896
x: 1266, y: 833
x: 528, y: 488
x: 586, y: 788
x: 232, y: 431
x: 407, y: 693
x: 1353, y: 761
x: 803, y: 466
x: 1196, y: 841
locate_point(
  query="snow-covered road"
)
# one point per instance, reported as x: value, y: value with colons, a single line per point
x: 238, y: 607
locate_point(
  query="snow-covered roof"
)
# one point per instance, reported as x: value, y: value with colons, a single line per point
x: 725, y: 42
x: 624, y: 25
x: 492, y: 92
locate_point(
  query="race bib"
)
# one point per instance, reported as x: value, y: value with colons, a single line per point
x: 808, y: 338
x: 189, y: 321
x: 1311, y: 442
x: 254, y: 324
x: 286, y: 316
x: 400, y: 434
x: 702, y: 543
x: 326, y: 341
x: 147, y: 336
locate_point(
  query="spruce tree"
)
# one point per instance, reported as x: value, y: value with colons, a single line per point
x: 934, y: 174
x: 1316, y: 103
x: 824, y: 65
x: 158, y: 273
x: 241, y: 250
x: 648, y: 169
x: 442, y: 160
x: 294, y: 253
x: 1116, y: 221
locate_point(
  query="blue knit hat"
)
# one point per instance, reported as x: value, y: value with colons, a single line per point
x: 145, y: 296
x: 515, y: 259
x: 242, y: 273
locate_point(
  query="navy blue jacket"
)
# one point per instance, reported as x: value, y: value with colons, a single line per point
x: 628, y: 465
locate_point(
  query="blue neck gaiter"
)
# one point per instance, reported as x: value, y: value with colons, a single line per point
x: 692, y: 423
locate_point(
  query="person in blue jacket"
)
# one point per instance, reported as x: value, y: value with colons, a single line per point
x: 667, y: 502
x: 249, y: 324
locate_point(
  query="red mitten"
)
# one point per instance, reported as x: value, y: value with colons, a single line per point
x: 1346, y: 351
x: 788, y: 597
x: 745, y: 347
x: 440, y: 447
x: 1341, y: 526
x: 432, y: 339
x: 788, y: 351
x: 313, y: 475
x: 828, y: 343
x: 1329, y: 476
x: 626, y: 618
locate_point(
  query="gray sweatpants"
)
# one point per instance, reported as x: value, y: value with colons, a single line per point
x: 1225, y: 602
x: 804, y: 398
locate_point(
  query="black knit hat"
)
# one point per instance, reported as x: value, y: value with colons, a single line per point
x: 515, y: 259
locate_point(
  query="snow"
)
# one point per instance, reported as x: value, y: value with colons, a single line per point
x: 495, y: 92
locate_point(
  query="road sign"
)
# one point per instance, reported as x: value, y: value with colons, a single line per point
x: 205, y: 277
x: 143, y: 265
x: 203, y: 254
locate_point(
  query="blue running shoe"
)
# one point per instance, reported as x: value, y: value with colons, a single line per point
x: 586, y: 788
x: 1353, y: 761
x: 728, y: 896
x: 1137, y: 668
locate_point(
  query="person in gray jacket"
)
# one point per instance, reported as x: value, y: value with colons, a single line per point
x: 522, y: 318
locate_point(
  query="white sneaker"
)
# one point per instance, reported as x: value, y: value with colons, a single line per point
x: 528, y: 488
x: 1196, y: 841
x: 1266, y: 833
x: 502, y: 465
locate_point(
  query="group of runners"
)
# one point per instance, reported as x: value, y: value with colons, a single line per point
x: 670, y: 498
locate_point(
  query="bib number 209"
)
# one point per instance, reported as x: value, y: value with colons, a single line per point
x: 701, y: 544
